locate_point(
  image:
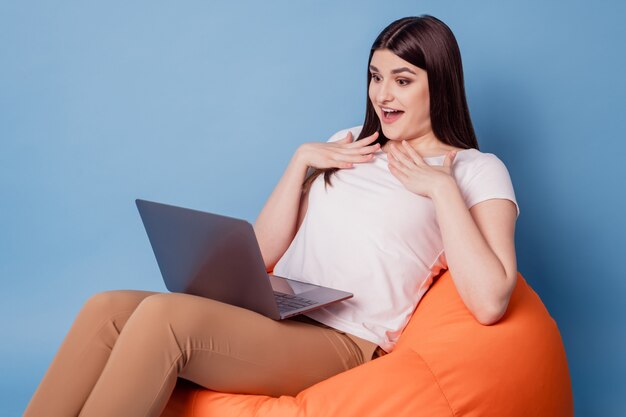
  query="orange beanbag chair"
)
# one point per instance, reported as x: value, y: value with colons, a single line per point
x: 445, y: 364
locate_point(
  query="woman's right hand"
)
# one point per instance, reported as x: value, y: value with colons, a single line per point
x: 343, y: 153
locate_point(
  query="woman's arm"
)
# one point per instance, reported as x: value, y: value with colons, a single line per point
x: 278, y: 221
x: 282, y: 214
x: 479, y: 243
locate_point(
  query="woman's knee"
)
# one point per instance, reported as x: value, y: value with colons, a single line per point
x: 159, y: 317
x: 107, y: 303
x: 180, y: 312
x: 161, y: 306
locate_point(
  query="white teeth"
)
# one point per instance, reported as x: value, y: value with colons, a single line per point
x: 390, y: 110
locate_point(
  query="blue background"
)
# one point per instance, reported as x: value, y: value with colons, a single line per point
x: 202, y: 104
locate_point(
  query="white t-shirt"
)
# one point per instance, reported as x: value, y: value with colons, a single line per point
x: 368, y: 235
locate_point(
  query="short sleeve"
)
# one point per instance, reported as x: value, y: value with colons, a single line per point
x: 488, y: 180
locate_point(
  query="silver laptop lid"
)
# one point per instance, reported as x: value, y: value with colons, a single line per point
x: 209, y: 255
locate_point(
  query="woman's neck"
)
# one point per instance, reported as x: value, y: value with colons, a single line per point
x: 425, y: 145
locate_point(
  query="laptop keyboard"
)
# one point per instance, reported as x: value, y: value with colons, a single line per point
x: 288, y: 302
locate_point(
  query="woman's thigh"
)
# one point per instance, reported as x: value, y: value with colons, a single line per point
x: 230, y: 349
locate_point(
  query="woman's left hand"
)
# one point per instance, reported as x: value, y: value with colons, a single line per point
x: 407, y: 165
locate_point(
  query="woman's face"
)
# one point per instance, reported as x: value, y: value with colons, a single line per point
x: 399, y: 85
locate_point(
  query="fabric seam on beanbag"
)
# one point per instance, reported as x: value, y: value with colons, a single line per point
x: 453, y: 413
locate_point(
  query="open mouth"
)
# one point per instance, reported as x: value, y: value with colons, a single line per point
x: 391, y: 116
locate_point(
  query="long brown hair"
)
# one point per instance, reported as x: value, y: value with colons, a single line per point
x: 429, y: 44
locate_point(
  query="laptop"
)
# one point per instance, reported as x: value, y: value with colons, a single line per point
x: 218, y: 257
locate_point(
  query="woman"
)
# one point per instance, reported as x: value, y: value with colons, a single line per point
x: 410, y: 197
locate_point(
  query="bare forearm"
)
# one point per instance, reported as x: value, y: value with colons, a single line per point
x: 276, y: 224
x: 478, y: 274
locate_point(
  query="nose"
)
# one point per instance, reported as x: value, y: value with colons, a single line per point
x: 383, y: 95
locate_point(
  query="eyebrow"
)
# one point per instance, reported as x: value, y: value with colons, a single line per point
x: 395, y: 71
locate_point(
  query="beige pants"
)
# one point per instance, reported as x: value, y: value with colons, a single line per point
x: 125, y: 350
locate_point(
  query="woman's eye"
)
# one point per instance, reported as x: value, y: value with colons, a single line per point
x: 401, y: 81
